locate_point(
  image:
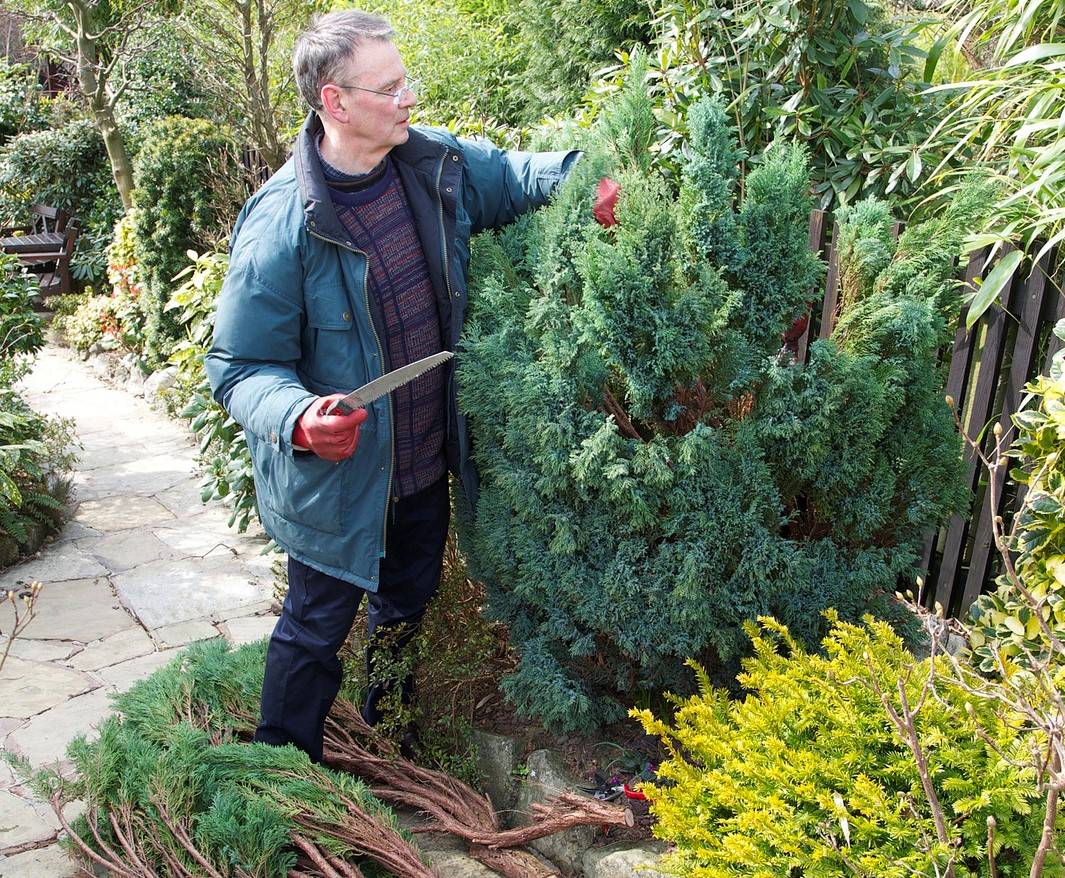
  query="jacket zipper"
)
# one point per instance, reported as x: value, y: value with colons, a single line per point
x: 381, y: 354
x: 443, y: 230
x: 448, y: 393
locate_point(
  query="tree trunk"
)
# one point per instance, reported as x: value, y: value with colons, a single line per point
x: 93, y: 79
x: 257, y: 82
x: 121, y: 169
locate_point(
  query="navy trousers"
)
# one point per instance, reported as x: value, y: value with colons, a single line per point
x: 303, y: 672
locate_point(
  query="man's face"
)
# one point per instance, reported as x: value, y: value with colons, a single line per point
x: 377, y: 123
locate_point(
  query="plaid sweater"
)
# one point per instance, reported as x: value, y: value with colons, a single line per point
x: 375, y: 210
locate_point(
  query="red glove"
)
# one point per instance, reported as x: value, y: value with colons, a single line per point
x: 792, y: 334
x: 333, y: 436
x: 795, y: 331
x: 606, y: 198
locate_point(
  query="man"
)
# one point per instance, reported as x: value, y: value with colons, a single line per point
x: 350, y: 262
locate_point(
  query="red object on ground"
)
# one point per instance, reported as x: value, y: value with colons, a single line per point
x: 606, y: 197
x: 633, y: 794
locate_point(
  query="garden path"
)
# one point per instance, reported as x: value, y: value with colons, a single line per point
x: 141, y: 569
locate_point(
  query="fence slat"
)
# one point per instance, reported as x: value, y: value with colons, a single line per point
x: 828, y: 306
x: 1056, y: 312
x: 1026, y: 304
x: 1052, y: 304
x: 961, y: 364
x: 958, y: 559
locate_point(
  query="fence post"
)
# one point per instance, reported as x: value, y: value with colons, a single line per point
x: 961, y: 366
x: 818, y: 221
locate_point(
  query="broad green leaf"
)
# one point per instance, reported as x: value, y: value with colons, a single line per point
x: 913, y: 166
x: 1034, y: 54
x: 993, y: 284
x: 934, y: 55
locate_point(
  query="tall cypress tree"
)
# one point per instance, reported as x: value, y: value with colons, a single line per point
x: 654, y: 468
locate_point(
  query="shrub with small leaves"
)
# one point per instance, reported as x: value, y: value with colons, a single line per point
x: 23, y: 106
x: 190, y: 186
x: 66, y: 167
x: 86, y: 324
x: 655, y: 466
x: 34, y: 450
x: 860, y: 761
x: 36, y: 454
x: 21, y: 328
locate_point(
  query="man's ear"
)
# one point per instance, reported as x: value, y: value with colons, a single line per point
x: 334, y: 102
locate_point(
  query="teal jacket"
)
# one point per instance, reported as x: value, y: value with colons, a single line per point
x: 296, y: 321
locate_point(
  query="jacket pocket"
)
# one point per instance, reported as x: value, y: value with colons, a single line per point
x: 328, y: 339
x: 305, y: 491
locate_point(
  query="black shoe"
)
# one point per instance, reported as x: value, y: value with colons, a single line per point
x: 410, y: 743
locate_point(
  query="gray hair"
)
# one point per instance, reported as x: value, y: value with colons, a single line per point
x: 326, y: 46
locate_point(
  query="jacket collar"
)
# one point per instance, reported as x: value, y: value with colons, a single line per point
x: 420, y: 153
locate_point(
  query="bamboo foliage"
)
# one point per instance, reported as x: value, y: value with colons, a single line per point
x: 1007, y: 115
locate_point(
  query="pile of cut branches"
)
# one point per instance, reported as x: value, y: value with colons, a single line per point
x: 172, y: 787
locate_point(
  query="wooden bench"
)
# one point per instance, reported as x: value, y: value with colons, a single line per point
x: 44, y: 235
x: 52, y: 267
x: 43, y: 219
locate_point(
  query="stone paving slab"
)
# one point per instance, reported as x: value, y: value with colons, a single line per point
x: 117, y: 513
x: 119, y: 677
x: 82, y: 610
x: 126, y: 550
x: 195, y: 538
x: 142, y: 569
x: 49, y: 862
x: 161, y: 593
x: 44, y: 650
x: 60, y: 561
x: 184, y: 633
x: 75, y: 531
x: 249, y: 629
x: 131, y: 643
x: 184, y: 501
x: 43, y: 740
x: 16, y: 829
x: 141, y: 476
x: 29, y: 688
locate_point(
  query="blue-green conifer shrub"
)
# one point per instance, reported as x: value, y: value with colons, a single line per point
x: 654, y: 469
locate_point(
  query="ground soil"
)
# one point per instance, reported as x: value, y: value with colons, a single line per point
x: 598, y: 762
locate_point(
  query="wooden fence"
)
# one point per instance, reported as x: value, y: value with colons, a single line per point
x: 989, y: 366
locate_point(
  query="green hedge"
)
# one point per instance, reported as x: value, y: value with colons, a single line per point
x: 190, y: 186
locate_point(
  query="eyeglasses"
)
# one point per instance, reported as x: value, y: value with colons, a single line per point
x: 409, y: 86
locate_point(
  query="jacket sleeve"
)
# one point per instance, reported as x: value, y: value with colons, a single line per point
x: 252, y: 361
x: 501, y: 185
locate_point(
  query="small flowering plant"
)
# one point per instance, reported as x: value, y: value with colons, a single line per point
x: 124, y: 319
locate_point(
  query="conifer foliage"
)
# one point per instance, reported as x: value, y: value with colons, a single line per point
x: 654, y: 468
x: 170, y: 787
